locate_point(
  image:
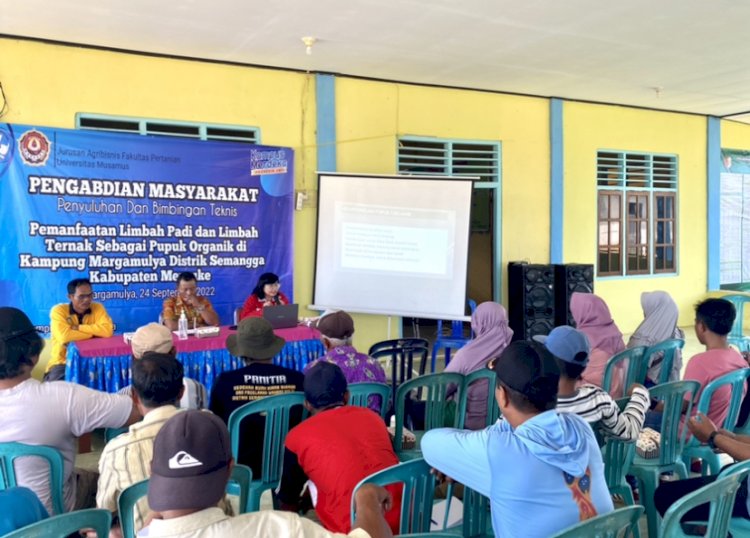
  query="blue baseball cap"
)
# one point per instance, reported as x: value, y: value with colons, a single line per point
x: 567, y: 344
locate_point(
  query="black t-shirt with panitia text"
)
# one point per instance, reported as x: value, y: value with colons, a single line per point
x: 238, y: 387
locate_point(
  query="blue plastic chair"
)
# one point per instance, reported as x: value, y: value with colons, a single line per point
x: 111, y: 433
x: 694, y: 449
x: 63, y: 525
x: 360, y: 394
x: 607, y: 525
x: 667, y: 348
x: 9, y: 452
x: 648, y: 470
x: 720, y: 494
x: 417, y: 496
x: 739, y: 526
x: 277, y: 410
x: 636, y: 370
x: 435, y: 388
x: 736, y: 335
x: 454, y: 340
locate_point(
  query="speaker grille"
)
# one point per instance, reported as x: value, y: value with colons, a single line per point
x: 531, y: 299
x: 569, y: 279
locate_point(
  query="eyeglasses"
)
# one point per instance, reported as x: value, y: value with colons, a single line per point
x: 275, y: 285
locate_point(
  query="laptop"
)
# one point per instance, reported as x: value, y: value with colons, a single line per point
x: 281, y: 316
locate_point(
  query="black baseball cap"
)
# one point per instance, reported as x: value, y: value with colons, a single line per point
x: 529, y: 368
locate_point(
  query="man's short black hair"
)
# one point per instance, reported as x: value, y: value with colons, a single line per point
x: 186, y: 276
x: 570, y: 370
x: 716, y: 314
x: 74, y: 284
x: 157, y: 379
x: 538, y: 403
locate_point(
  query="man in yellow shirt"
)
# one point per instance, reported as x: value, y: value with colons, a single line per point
x: 80, y: 319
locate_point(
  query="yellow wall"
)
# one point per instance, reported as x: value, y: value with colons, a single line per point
x: 735, y: 135
x: 588, y: 128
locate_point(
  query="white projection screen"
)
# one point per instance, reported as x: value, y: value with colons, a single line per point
x: 392, y: 245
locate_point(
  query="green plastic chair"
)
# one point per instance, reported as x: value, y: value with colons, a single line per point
x: 63, y: 525
x: 277, y: 410
x: 417, y: 496
x: 607, y: 525
x: 360, y: 393
x: 736, y: 336
x: 739, y: 526
x: 434, y: 387
x: 694, y: 449
x: 668, y: 348
x: 111, y: 433
x: 720, y: 494
x: 648, y: 470
x: 637, y: 368
x: 9, y: 452
x: 239, y: 484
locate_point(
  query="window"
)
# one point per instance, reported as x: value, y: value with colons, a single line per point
x: 432, y: 157
x: 202, y: 131
x: 637, y: 213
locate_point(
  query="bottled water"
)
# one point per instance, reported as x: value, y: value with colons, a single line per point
x: 182, y: 327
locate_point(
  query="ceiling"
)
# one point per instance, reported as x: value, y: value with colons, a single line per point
x: 681, y: 55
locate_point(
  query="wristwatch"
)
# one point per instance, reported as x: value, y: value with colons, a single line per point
x: 712, y: 439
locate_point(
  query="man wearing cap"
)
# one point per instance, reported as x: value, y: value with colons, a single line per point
x: 157, y: 338
x: 334, y: 449
x: 80, y: 319
x: 51, y: 414
x: 336, y: 330
x: 190, y: 469
x: 256, y: 344
x: 541, y: 469
x: 570, y: 348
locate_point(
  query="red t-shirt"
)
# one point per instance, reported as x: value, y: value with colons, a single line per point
x: 338, y: 448
x: 709, y: 365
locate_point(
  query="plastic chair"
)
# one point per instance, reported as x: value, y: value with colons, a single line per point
x: 736, y: 335
x: 111, y: 433
x: 720, y: 494
x: 360, y: 394
x: 417, y: 497
x: 648, y: 470
x: 493, y: 411
x: 401, y: 354
x: 636, y: 370
x: 607, y: 525
x: 9, y: 452
x: 736, y: 383
x: 454, y: 340
x: 739, y: 526
x: 435, y: 387
x: 63, y: 525
x: 277, y: 411
x: 668, y: 348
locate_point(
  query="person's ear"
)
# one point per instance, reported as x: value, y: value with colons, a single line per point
x: 307, y: 405
x: 346, y: 397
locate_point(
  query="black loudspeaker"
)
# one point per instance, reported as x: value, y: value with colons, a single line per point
x: 531, y: 299
x: 568, y: 279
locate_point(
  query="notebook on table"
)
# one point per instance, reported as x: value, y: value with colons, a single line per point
x: 281, y: 316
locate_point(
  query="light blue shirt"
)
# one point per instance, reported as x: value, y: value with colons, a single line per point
x: 523, y: 471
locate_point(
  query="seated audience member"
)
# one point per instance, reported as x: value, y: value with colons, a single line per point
x: 336, y: 330
x: 593, y: 319
x: 19, y: 507
x: 257, y: 345
x: 80, y: 319
x: 265, y: 293
x: 155, y: 338
x: 541, y: 469
x: 492, y: 335
x: 190, y: 469
x: 659, y: 323
x: 51, y: 414
x: 571, y: 351
x: 334, y: 449
x: 737, y: 446
x: 198, y: 310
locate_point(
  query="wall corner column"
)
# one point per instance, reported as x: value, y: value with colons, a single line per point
x: 713, y: 210
x: 557, y: 189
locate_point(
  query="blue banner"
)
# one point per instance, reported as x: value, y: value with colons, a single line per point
x: 130, y: 212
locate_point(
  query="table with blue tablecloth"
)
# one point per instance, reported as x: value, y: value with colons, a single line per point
x: 104, y: 363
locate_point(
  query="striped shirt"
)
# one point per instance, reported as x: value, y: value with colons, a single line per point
x: 594, y: 405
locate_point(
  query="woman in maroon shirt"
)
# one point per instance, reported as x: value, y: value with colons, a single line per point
x: 265, y: 293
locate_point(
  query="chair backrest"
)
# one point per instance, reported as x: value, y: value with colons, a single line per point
x: 672, y: 435
x: 618, y: 455
x: 739, y: 305
x: 66, y: 524
x: 720, y: 494
x: 736, y: 382
x: 360, y: 395
x: 401, y: 353
x: 636, y: 371
x: 417, y: 497
x: 277, y: 410
x: 493, y: 411
x: 111, y: 433
x: 9, y: 452
x: 607, y: 525
x: 435, y: 388
x: 667, y: 348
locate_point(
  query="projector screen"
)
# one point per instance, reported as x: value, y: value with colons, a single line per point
x: 392, y: 245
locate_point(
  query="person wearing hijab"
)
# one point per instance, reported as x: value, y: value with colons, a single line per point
x: 592, y: 318
x: 492, y: 335
x: 659, y: 323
